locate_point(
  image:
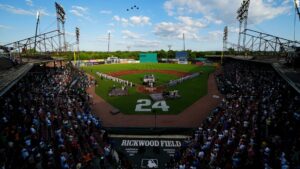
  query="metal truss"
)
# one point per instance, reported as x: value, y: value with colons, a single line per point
x: 263, y: 42
x: 45, y: 42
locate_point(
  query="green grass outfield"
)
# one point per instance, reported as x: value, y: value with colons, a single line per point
x: 190, y: 91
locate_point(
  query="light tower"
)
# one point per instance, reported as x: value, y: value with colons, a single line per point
x: 60, y: 16
x: 225, y: 37
x: 169, y: 46
x: 36, y: 28
x: 297, y: 4
x: 242, y: 18
x: 77, y: 42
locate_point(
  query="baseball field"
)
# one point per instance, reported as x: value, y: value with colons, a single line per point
x: 139, y: 102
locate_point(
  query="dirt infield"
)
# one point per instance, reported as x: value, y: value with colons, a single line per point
x: 146, y: 90
x: 128, y: 72
x: 191, y: 117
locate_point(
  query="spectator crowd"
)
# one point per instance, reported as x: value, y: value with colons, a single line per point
x: 256, y: 125
x: 46, y: 122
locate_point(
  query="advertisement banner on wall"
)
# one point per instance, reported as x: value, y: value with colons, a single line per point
x: 149, y: 152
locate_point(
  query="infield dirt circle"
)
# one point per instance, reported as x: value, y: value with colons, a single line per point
x: 191, y: 117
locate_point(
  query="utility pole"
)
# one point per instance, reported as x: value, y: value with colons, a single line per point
x: 108, y: 42
x: 169, y: 46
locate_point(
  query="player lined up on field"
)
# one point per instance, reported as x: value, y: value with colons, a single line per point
x: 115, y: 79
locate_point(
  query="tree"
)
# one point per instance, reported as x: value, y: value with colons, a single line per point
x: 171, y: 54
x: 162, y: 54
x: 231, y: 51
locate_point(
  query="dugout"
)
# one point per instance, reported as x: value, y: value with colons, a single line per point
x: 148, y: 58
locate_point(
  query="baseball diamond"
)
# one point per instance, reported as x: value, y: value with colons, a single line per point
x: 165, y: 74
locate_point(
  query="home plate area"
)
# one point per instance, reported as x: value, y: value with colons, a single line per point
x: 148, y: 151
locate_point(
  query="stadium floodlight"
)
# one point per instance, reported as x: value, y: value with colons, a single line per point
x: 297, y: 5
x: 36, y: 28
x: 37, y: 14
x: 77, y: 34
x: 60, y: 12
x: 60, y: 16
x: 225, y: 37
x: 242, y: 16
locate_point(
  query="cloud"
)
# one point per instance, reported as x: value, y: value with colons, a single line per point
x: 132, y: 21
x: 4, y: 27
x: 29, y: 2
x: 111, y: 24
x: 43, y: 12
x: 130, y: 35
x: 192, y: 22
x: 106, y: 12
x: 121, y: 20
x: 225, y: 10
x: 20, y: 11
x: 186, y: 25
x: 78, y: 10
x: 81, y: 12
x: 15, y: 10
x: 77, y: 13
x: 70, y: 33
x: 215, y: 35
x: 140, y: 20
x: 260, y: 11
x: 233, y: 29
x: 143, y: 43
x: 172, y: 30
x: 104, y: 38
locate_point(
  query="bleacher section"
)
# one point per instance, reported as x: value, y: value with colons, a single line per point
x: 11, y: 76
x: 5, y: 63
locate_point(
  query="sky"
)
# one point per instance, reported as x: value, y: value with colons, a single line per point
x: 155, y: 25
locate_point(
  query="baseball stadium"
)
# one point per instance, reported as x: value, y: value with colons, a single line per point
x: 128, y: 84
